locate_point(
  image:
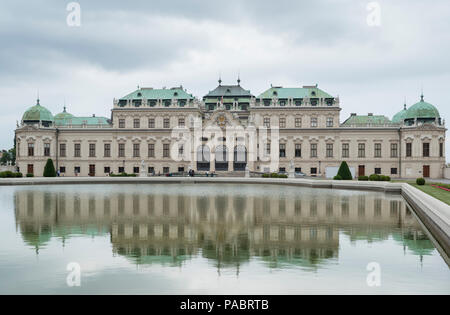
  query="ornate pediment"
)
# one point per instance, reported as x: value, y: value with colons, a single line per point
x: 222, y: 119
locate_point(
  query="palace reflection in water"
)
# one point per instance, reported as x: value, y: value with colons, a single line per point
x: 227, y: 225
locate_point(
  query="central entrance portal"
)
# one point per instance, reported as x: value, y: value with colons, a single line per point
x: 221, y: 162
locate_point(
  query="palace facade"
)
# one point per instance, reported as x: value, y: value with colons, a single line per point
x: 158, y: 131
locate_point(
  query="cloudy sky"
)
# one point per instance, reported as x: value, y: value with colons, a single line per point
x: 120, y: 45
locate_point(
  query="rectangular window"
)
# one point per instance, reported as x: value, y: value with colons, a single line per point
x: 282, y: 122
x: 298, y: 122
x: 121, y: 123
x: 282, y: 150
x: 77, y: 170
x: 313, y: 122
x: 267, y: 149
x: 151, y: 170
x: 121, y: 149
x: 378, y: 171
x: 62, y: 169
x: 91, y: 149
x: 329, y: 150
x: 46, y: 149
x: 313, y: 150
x: 166, y: 150
x: 330, y: 122
x: 30, y: 149
x: 107, y: 170
x: 409, y: 149
x: 136, y: 123
x: 362, y: 150
x: 166, y: 123
x: 62, y: 150
x: 151, y: 123
x: 314, y: 171
x: 394, y: 150
x: 136, y: 170
x: 267, y: 122
x: 298, y: 169
x: 441, y: 149
x: 151, y: 150
x: 166, y: 170
x: 121, y: 169
x: 345, y: 150
x: 181, y: 122
x: 107, y: 150
x: 394, y: 171
x: 136, y: 150
x: 77, y: 149
x: 377, y: 150
x: 426, y: 150
x: 298, y: 150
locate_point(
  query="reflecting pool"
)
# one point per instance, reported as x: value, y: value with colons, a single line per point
x: 213, y: 239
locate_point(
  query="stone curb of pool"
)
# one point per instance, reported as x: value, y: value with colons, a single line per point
x: 434, y: 213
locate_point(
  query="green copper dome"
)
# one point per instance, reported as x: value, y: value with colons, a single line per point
x: 422, y: 110
x: 37, y: 113
x: 64, y: 115
x: 400, y: 116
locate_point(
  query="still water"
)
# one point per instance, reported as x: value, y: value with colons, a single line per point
x: 213, y: 239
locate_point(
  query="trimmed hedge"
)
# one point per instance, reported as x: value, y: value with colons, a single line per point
x: 30, y: 175
x: 420, y: 181
x: 337, y: 177
x: 344, y: 171
x: 379, y: 178
x: 9, y: 174
x: 122, y: 175
x: 274, y: 175
x: 363, y: 178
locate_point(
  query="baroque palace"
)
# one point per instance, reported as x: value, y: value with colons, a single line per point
x: 160, y: 131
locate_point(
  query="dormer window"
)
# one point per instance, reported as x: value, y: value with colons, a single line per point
x: 275, y: 93
x: 313, y: 93
x: 228, y: 91
x: 175, y: 94
x: 139, y: 94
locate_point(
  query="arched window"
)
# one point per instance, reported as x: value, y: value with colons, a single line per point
x: 203, y: 154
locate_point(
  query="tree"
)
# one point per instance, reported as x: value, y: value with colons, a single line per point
x: 49, y: 169
x: 344, y: 172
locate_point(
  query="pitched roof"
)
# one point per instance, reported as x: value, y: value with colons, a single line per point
x: 366, y: 120
x: 159, y: 94
x: 79, y: 121
x: 306, y: 91
x: 229, y: 91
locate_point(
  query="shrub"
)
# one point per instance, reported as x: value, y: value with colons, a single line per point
x: 385, y: 178
x: 49, y: 169
x: 337, y: 177
x: 265, y: 175
x: 363, y: 178
x: 122, y: 175
x: 344, y: 171
x: 274, y: 175
x: 30, y: 175
x: 374, y: 177
x: 282, y: 176
x: 420, y: 181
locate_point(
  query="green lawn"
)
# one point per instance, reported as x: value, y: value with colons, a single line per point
x: 437, y: 193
